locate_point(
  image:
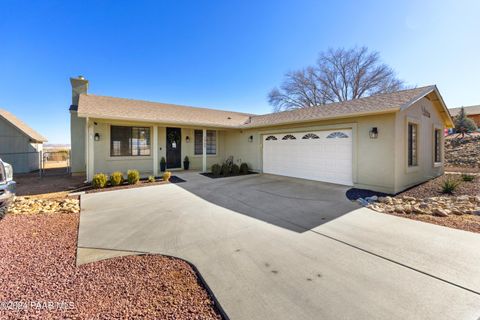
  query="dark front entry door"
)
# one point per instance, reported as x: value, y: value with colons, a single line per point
x: 174, y: 150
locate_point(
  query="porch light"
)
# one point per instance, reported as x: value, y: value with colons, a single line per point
x: 187, y: 139
x: 97, y: 137
x: 373, y: 133
x: 250, y: 139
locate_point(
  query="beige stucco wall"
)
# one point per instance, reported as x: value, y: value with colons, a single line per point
x: 77, y: 143
x: 373, y: 162
x: 406, y: 177
x: 103, y: 162
x: 378, y: 164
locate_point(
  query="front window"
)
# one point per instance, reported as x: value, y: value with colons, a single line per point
x: 412, y: 145
x: 438, y: 145
x: 211, y: 142
x: 129, y: 141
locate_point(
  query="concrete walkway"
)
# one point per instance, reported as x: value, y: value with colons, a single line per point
x: 362, y: 265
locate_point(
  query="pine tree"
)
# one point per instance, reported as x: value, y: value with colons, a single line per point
x: 463, y: 124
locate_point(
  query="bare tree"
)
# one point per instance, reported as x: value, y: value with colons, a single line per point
x: 339, y: 75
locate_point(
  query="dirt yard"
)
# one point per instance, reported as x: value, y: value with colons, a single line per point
x: 41, y: 281
x: 32, y: 184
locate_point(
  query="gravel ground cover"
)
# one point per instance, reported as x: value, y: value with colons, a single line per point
x: 426, y: 203
x: 464, y: 222
x: 40, y: 280
x: 433, y: 188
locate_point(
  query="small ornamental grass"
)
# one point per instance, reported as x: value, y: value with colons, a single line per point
x: 151, y: 179
x: 468, y: 177
x: 116, y: 178
x: 99, y: 180
x: 133, y: 176
x: 449, y: 185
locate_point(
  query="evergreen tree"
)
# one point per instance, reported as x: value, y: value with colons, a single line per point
x: 463, y: 124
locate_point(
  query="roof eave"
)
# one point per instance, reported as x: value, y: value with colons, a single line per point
x: 166, y: 122
x: 343, y: 116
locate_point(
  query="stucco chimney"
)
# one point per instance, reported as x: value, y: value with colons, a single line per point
x: 79, y: 86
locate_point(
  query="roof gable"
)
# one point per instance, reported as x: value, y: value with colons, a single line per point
x: 22, y: 126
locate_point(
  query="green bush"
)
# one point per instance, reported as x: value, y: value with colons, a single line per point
x: 449, y: 185
x: 116, y: 178
x: 235, y: 169
x: 216, y: 169
x: 468, y: 177
x: 151, y: 179
x: 244, y: 168
x: 226, y: 169
x: 133, y: 176
x: 166, y: 176
x: 99, y: 180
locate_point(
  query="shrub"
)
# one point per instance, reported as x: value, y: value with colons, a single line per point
x: 99, y: 180
x: 166, y: 175
x: 163, y: 164
x: 244, y: 168
x: 216, y: 169
x: 449, y: 185
x: 467, y: 177
x: 133, y: 176
x: 151, y: 179
x: 225, y: 170
x: 235, y: 169
x: 116, y: 178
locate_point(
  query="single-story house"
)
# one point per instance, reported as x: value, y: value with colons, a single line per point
x: 20, y: 145
x: 473, y: 112
x: 385, y: 143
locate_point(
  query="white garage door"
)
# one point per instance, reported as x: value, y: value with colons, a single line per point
x: 314, y: 155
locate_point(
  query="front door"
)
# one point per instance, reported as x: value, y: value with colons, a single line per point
x: 174, y: 150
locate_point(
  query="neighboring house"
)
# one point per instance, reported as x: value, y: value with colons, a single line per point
x: 20, y: 145
x: 385, y: 143
x: 473, y: 112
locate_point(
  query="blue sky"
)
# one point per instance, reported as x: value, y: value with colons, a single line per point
x: 220, y: 54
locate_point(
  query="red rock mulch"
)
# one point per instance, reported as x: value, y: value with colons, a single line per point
x: 37, y: 267
x: 464, y: 222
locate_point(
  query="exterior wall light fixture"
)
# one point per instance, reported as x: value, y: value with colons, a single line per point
x: 97, y: 136
x: 187, y: 139
x: 373, y: 133
x: 250, y: 139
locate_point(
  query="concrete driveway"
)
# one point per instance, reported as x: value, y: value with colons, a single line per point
x: 359, y: 265
x: 290, y: 203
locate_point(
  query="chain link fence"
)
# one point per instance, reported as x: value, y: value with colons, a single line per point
x: 41, y: 162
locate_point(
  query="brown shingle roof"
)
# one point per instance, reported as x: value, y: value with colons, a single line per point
x: 138, y: 110
x: 374, y: 104
x: 468, y: 110
x: 22, y: 126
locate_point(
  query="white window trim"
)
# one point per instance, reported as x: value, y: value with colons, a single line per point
x: 438, y: 164
x: 123, y: 158
x: 416, y: 121
x: 208, y: 155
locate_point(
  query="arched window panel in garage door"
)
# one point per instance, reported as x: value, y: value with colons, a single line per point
x: 321, y: 159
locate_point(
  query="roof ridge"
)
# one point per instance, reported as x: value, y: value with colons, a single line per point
x: 170, y: 104
x: 347, y: 101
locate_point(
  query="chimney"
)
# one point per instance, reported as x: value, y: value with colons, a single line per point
x: 79, y: 86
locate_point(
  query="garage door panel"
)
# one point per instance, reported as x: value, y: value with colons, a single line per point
x: 325, y: 157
